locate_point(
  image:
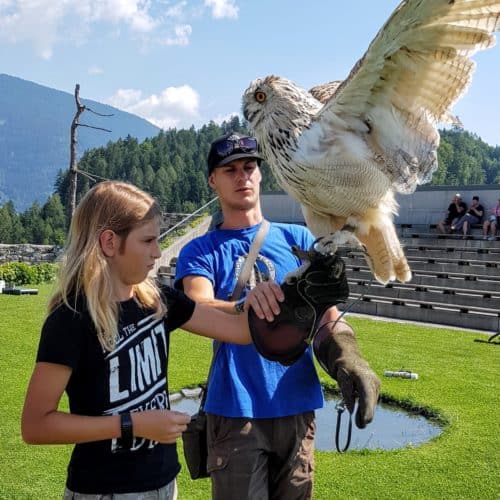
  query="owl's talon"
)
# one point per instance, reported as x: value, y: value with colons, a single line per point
x: 331, y: 243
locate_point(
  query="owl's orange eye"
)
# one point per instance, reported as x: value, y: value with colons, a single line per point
x: 260, y: 96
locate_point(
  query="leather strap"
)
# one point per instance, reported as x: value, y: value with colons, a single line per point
x: 250, y: 260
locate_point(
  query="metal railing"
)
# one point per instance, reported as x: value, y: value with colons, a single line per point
x: 187, y: 218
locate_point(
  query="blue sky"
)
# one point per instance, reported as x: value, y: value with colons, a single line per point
x: 178, y: 63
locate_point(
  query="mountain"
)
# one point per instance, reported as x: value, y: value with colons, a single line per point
x: 35, y: 126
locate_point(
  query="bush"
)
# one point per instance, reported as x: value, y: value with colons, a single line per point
x: 21, y: 273
x: 44, y: 273
x: 181, y: 231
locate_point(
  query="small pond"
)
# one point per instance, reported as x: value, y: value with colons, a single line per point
x: 392, y: 428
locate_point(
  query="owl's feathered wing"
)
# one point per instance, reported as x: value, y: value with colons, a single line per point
x: 325, y: 91
x: 413, y: 72
x: 342, y: 149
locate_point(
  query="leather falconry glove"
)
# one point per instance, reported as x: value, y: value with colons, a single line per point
x: 309, y: 292
x: 317, y: 285
x: 337, y: 351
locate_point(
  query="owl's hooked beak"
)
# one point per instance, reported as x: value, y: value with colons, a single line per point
x: 245, y: 113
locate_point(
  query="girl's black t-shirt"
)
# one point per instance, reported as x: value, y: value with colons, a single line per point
x: 133, y: 377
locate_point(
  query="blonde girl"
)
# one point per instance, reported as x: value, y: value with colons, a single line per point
x: 105, y: 342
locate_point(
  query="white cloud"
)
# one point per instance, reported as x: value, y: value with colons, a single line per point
x: 95, y: 70
x: 173, y: 107
x: 182, y: 32
x: 124, y: 98
x: 44, y: 23
x: 31, y: 21
x: 225, y: 118
x: 132, y: 12
x: 176, y: 11
x: 223, y: 8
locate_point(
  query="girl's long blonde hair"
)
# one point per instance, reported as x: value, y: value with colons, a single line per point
x: 84, y: 270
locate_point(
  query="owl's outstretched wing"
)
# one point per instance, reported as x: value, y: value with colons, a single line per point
x: 325, y: 91
x: 413, y: 72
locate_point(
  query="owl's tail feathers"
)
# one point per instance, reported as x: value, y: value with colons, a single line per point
x: 384, y: 254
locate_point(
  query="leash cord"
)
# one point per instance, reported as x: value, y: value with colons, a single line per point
x: 340, y: 410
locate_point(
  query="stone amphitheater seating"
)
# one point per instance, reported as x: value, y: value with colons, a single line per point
x: 455, y: 282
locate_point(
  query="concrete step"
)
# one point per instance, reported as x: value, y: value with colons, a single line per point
x: 430, y: 230
x: 486, y: 247
x: 459, y: 301
x: 452, y: 256
x: 449, y: 239
x: 478, y: 269
x: 363, y: 272
x: 413, y: 311
x: 487, y: 288
x: 444, y: 255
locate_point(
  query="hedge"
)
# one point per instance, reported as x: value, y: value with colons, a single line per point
x: 21, y: 273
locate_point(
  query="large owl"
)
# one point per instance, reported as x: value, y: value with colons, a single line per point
x: 344, y: 148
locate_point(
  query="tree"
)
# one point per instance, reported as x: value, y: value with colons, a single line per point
x: 11, y: 230
x: 149, y: 177
x: 33, y: 224
x: 464, y: 159
x: 445, y: 158
x: 80, y: 108
x: 55, y: 220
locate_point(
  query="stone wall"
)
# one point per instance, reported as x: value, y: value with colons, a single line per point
x: 31, y: 254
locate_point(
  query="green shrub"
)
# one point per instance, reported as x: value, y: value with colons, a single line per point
x: 21, y: 273
x: 44, y: 273
x: 181, y: 231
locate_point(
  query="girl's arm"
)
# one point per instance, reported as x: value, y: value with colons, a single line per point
x: 264, y: 298
x: 43, y: 423
x: 208, y: 321
x: 199, y: 289
x: 216, y: 318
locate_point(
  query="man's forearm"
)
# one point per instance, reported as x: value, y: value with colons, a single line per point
x: 222, y: 305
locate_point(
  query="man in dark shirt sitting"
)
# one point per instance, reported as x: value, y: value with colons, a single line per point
x: 473, y: 216
x: 456, y: 209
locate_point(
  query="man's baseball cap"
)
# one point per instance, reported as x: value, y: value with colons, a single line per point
x: 232, y: 146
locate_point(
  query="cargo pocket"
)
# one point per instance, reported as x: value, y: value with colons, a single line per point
x: 218, y: 432
x: 304, y: 459
x: 216, y: 461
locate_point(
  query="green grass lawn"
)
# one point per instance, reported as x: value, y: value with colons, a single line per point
x: 458, y: 382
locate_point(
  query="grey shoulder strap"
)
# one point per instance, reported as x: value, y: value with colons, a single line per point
x: 250, y: 260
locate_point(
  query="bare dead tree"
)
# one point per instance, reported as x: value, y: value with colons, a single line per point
x: 73, y: 167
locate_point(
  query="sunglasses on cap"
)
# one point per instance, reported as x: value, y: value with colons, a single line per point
x: 229, y: 145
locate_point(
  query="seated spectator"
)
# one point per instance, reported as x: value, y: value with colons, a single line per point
x: 456, y: 209
x: 492, y: 222
x: 472, y: 216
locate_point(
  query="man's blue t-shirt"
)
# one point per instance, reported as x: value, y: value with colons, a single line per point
x: 243, y: 383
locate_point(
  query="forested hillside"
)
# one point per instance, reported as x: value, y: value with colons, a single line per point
x: 172, y: 166
x: 465, y: 159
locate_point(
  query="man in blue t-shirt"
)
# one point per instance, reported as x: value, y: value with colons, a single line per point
x: 261, y: 422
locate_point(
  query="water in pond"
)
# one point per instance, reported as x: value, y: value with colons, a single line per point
x: 391, y: 428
